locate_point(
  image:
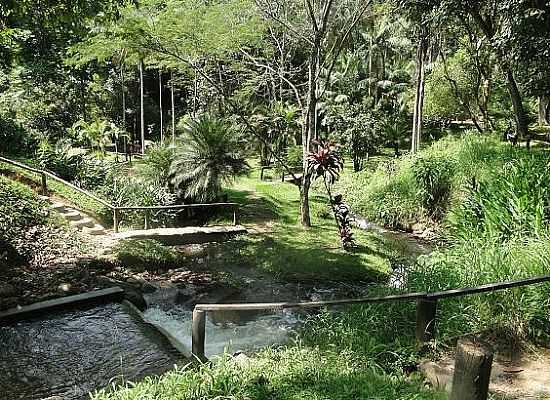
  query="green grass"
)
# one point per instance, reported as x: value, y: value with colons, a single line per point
x: 394, y: 194
x: 495, y: 217
x: 294, y: 373
x: 287, y: 250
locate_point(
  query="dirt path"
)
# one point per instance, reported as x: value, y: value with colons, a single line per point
x: 526, y: 378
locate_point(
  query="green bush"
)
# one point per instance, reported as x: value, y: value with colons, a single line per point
x: 92, y: 172
x: 433, y: 175
x: 518, y: 313
x: 59, y: 159
x: 156, y: 164
x: 121, y: 188
x: 426, y: 186
x: 511, y: 201
x: 20, y: 208
x: 15, y: 140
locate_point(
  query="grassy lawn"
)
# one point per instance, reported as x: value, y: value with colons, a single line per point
x: 287, y: 250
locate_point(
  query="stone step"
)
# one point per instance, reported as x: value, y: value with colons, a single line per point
x: 83, y: 223
x: 95, y: 230
x: 45, y: 198
x: 71, y: 215
x: 60, y: 207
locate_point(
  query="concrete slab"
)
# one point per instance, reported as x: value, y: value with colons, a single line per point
x: 187, y: 235
x: 114, y: 294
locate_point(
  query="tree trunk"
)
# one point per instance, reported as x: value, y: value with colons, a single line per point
x: 517, y: 104
x: 124, y: 138
x: 544, y: 102
x: 309, y: 133
x: 173, y: 106
x: 419, y: 93
x: 142, y: 112
x: 305, y: 218
x: 160, y: 108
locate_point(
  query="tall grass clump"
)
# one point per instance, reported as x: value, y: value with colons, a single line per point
x: 426, y: 186
x: 521, y: 313
x: 512, y: 201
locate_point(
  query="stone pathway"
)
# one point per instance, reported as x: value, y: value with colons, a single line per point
x: 76, y: 218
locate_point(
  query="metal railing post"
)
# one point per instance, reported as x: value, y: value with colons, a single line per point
x: 198, y: 334
x: 235, y: 215
x: 426, y: 311
x: 44, y: 184
x: 115, y: 219
x: 146, y: 220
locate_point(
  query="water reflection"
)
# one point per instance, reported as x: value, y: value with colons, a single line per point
x: 72, y: 353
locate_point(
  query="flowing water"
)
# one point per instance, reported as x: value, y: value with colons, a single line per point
x: 232, y: 331
x: 69, y: 354
x: 72, y: 353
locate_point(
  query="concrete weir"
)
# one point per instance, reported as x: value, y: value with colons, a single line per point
x: 72, y: 346
x: 114, y: 294
x: 187, y: 235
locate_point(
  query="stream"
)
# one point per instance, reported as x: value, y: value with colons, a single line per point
x: 72, y: 353
x: 233, y: 332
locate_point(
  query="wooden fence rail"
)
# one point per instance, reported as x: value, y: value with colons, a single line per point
x: 426, y: 308
x: 45, y: 175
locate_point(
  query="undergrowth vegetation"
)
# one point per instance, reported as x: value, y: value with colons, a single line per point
x: 490, y: 202
x: 20, y: 208
x: 299, y: 372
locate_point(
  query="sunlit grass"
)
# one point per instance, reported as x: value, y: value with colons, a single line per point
x: 286, y: 249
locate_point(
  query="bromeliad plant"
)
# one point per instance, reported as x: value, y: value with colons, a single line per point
x: 327, y: 163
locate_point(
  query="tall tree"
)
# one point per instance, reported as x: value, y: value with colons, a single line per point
x: 326, y: 26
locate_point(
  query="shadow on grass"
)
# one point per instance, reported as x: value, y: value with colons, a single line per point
x: 345, y: 385
x: 294, y: 258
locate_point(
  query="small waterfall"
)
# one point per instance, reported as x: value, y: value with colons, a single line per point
x: 227, y: 332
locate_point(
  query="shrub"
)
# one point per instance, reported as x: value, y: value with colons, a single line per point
x: 433, y: 175
x: 123, y: 189
x: 92, y: 172
x: 511, y: 201
x: 156, y: 164
x: 59, y: 159
x: 15, y: 140
x: 520, y: 313
x: 207, y: 156
x: 20, y: 208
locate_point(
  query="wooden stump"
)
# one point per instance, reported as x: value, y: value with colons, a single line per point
x: 473, y: 361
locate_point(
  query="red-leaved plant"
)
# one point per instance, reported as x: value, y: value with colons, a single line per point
x: 327, y: 163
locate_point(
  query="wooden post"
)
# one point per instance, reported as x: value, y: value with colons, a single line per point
x: 146, y: 220
x: 473, y: 362
x: 44, y: 185
x: 236, y: 216
x: 115, y: 219
x: 198, y: 334
x: 426, y: 310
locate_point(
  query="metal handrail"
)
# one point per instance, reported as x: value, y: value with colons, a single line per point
x: 116, y: 209
x: 425, y: 312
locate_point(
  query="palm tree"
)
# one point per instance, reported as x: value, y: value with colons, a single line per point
x: 206, y: 157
